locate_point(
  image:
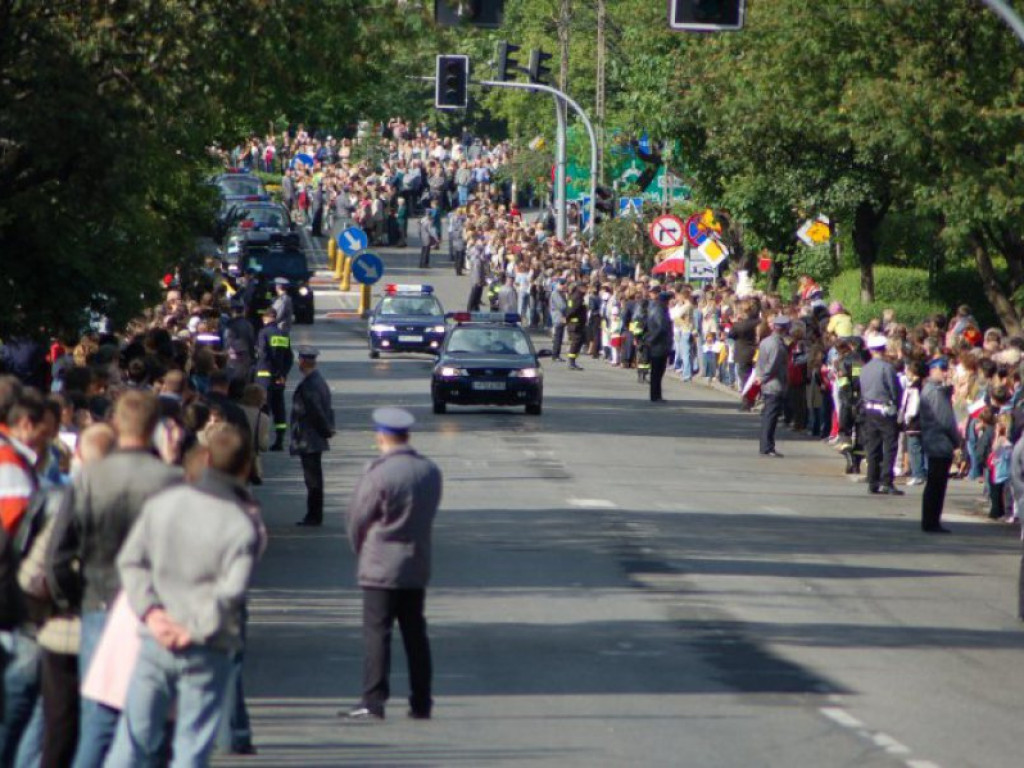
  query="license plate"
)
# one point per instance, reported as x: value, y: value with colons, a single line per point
x: 414, y: 339
x: 489, y: 385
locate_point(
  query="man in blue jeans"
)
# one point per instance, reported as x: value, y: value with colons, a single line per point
x: 191, y: 606
x: 107, y: 498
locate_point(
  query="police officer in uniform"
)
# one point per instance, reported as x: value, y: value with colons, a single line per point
x: 273, y: 364
x: 773, y: 372
x: 389, y: 525
x: 881, y: 395
x: 658, y: 334
x: 239, y: 343
x: 283, y: 305
x: 576, y: 325
x: 312, y: 426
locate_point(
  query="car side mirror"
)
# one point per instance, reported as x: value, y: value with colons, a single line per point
x: 544, y: 353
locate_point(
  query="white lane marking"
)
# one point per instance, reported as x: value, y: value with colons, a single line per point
x: 592, y: 503
x: 842, y: 717
x: 890, y: 745
x: 883, y: 740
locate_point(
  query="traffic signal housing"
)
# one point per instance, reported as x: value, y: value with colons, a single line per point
x: 506, y: 66
x: 474, y: 13
x: 539, y: 71
x: 706, y: 15
x: 451, y: 82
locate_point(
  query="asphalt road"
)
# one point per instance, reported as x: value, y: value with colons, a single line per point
x: 625, y: 583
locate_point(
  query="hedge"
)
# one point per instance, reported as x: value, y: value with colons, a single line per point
x: 906, y: 291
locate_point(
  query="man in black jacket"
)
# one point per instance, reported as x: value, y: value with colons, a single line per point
x: 312, y: 426
x: 658, y: 336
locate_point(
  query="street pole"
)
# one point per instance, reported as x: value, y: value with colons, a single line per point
x: 566, y: 99
x: 561, y: 214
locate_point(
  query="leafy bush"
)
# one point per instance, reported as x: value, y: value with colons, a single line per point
x: 816, y: 262
x: 963, y: 286
x: 905, y: 291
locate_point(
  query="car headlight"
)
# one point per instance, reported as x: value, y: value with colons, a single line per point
x: 438, y: 329
x: 303, y: 291
x: 525, y: 373
x: 382, y: 328
x: 449, y: 372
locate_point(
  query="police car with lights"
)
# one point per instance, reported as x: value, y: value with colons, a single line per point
x: 408, y: 318
x: 488, y: 359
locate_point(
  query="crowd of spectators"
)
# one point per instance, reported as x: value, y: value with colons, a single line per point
x: 165, y: 386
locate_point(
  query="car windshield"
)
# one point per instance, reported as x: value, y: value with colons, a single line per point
x: 237, y: 186
x: 265, y: 216
x: 425, y: 306
x: 290, y: 264
x: 488, y: 341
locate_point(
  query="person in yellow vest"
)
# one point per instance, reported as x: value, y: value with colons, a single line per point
x: 273, y: 364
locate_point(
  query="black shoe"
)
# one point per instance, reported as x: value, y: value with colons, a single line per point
x: 772, y: 454
x: 277, y: 447
x: 362, y: 714
x: 309, y: 523
x: 936, y: 529
x: 891, y: 490
x: 874, y: 489
x: 415, y: 714
x: 244, y: 749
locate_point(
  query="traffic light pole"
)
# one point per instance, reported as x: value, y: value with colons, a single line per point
x: 561, y: 212
x: 564, y: 99
x: 1008, y: 15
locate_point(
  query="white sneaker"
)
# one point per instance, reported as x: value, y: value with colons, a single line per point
x: 915, y: 481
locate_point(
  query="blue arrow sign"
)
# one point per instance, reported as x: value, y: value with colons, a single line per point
x: 631, y: 206
x: 367, y: 268
x: 352, y: 241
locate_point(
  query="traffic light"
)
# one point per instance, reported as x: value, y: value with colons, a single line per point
x: 507, y: 67
x: 476, y: 13
x: 706, y: 15
x: 451, y: 82
x: 539, y: 72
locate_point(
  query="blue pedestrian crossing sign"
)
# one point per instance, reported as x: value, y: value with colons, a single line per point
x: 352, y: 241
x: 631, y: 206
x: 367, y: 268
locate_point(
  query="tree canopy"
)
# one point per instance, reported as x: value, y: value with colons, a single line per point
x: 900, y: 121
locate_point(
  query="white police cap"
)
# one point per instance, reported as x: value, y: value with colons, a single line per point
x: 396, y: 421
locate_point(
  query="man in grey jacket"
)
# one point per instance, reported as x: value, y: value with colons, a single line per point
x: 773, y: 371
x: 107, y: 499
x: 191, y: 605
x: 389, y: 525
x: 940, y: 437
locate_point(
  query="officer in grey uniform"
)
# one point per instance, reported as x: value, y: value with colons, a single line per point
x: 389, y: 525
x: 880, y: 395
x: 283, y: 305
x: 312, y: 426
x: 773, y: 371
